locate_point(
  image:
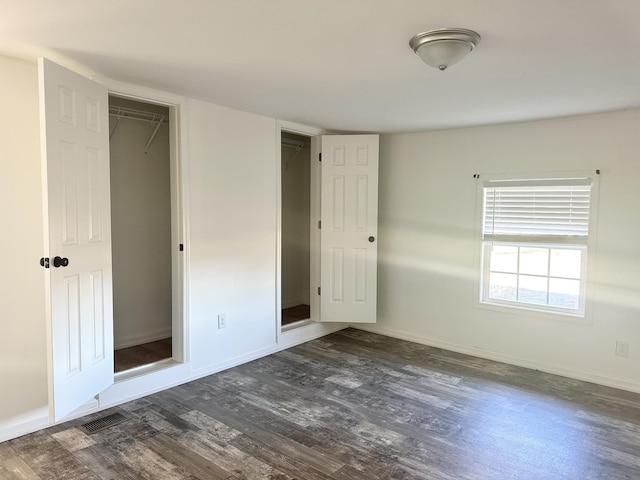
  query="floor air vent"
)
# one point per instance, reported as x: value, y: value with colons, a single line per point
x: 103, y: 423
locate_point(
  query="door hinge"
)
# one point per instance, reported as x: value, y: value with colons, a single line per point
x: 320, y: 157
x: 44, y: 262
x: 182, y: 247
x: 318, y: 290
x: 319, y: 224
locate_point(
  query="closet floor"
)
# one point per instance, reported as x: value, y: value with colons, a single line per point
x: 295, y: 314
x: 131, y: 357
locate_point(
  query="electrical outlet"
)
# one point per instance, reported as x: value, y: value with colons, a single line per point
x: 622, y: 348
x: 222, y: 320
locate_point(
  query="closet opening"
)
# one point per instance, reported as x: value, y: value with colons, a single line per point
x: 295, y: 258
x: 142, y: 201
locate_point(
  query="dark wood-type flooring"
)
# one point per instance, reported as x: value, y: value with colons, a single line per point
x: 350, y: 406
x: 295, y: 314
x: 131, y: 357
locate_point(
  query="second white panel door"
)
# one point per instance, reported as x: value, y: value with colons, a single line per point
x: 349, y: 213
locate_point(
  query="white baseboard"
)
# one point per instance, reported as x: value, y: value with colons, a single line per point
x: 165, y: 376
x: 499, y: 357
x: 24, y: 424
x: 144, y: 338
x: 91, y: 406
x: 232, y: 362
x: 310, y: 331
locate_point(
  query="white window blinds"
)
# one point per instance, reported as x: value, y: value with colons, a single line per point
x: 537, y: 211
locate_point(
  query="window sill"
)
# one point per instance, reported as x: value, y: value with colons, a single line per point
x: 534, y: 312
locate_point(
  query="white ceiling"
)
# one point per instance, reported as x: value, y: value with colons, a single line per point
x: 346, y: 64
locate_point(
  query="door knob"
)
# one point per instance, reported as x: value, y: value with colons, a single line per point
x: 372, y: 239
x: 60, y: 262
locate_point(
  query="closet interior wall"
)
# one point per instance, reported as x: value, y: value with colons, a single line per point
x: 141, y: 225
x: 295, y: 220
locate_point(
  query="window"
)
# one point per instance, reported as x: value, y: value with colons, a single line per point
x: 535, y: 238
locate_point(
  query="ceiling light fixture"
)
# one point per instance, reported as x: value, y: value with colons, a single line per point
x: 444, y: 47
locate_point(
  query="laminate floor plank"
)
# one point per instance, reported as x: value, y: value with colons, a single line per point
x: 313, y: 410
x: 290, y: 465
x: 352, y: 405
x: 372, y: 434
x: 278, y: 435
x: 247, y: 418
x: 197, y: 465
x: 12, y: 467
x: 49, y: 459
x: 136, y: 456
x: 225, y: 455
x: 205, y: 437
x: 104, y: 464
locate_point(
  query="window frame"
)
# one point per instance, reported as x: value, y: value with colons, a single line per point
x: 486, y: 272
x: 481, y: 296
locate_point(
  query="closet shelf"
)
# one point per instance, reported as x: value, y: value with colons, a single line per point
x: 133, y: 114
x: 286, y: 142
x: 157, y: 119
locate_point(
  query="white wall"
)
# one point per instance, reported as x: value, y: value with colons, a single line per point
x: 427, y: 244
x: 295, y: 226
x: 141, y: 231
x: 23, y: 364
x: 232, y: 236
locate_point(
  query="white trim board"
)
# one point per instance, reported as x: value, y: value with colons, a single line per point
x: 499, y: 357
x: 26, y: 423
x: 313, y: 133
x: 311, y: 331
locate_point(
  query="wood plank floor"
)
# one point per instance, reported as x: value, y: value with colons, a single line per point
x: 352, y: 405
x: 131, y: 357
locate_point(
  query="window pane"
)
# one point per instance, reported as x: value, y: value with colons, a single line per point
x: 503, y: 286
x: 566, y: 263
x: 532, y: 290
x: 504, y: 259
x: 564, y: 293
x: 534, y: 261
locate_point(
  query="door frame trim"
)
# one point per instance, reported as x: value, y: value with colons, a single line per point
x: 313, y: 133
x: 179, y: 203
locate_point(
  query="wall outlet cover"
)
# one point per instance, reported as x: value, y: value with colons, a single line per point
x: 622, y: 348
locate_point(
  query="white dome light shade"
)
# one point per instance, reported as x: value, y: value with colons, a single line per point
x: 445, y: 47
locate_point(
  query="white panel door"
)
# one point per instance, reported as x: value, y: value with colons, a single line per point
x: 75, y: 155
x: 349, y: 228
